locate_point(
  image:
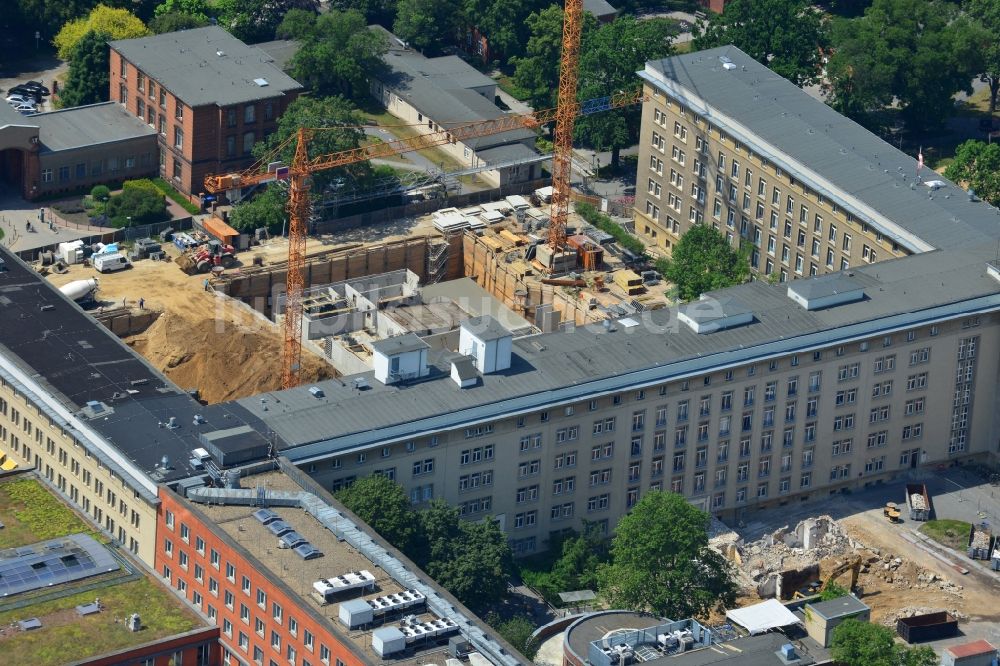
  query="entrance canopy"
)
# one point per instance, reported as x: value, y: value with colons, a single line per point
x: 762, y: 617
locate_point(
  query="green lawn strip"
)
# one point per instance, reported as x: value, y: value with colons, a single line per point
x: 69, y: 637
x: 507, y: 85
x: 178, y: 198
x: 950, y: 533
x: 31, y: 513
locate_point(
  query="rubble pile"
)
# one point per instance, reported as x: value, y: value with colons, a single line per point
x: 917, y: 501
x: 980, y: 540
x: 810, y: 542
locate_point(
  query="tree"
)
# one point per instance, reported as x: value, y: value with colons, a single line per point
x: 342, y: 132
x: 381, y: 12
x: 609, y: 59
x: 197, y: 8
x: 88, y: 78
x: 538, y: 70
x: 266, y: 210
x: 987, y: 14
x: 503, y: 22
x: 977, y: 166
x: 476, y: 566
x: 140, y: 202
x: 175, y: 21
x: 918, y: 53
x: 427, y: 25
x: 383, y: 504
x: 339, y: 54
x: 785, y: 35
x: 516, y: 631
x: 297, y: 24
x: 856, y: 643
x: 703, y: 261
x: 116, y: 23
x: 661, y: 561
x: 256, y: 20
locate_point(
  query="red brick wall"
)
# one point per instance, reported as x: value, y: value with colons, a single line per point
x: 292, y: 606
x: 205, y: 128
x: 163, y: 651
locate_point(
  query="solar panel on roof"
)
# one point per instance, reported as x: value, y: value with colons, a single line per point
x: 279, y: 528
x: 265, y: 516
x: 307, y: 551
x: 51, y: 563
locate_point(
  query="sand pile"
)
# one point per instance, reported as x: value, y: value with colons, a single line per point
x: 222, y: 359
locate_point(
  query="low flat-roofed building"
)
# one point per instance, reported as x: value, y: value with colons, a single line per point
x: 976, y: 653
x: 71, y: 150
x: 823, y: 617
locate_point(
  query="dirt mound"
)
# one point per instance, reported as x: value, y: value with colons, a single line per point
x: 222, y: 359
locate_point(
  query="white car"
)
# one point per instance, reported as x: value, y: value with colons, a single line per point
x: 19, y: 99
x: 25, y: 108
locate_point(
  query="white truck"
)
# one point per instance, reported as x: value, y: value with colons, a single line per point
x: 110, y: 262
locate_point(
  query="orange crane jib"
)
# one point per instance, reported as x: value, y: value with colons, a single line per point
x: 269, y: 169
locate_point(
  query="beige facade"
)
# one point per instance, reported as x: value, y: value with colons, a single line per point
x: 691, y: 172
x: 738, y: 440
x: 32, y: 439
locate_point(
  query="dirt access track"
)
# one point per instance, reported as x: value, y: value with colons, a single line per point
x: 202, y: 340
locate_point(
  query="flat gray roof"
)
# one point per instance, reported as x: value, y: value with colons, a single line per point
x: 824, y: 285
x: 839, y: 607
x: 188, y: 64
x: 599, y: 8
x: 399, y: 344
x: 81, y: 126
x: 485, y: 328
x: 717, y: 307
x: 834, y: 155
x: 577, y: 364
x: 281, y: 50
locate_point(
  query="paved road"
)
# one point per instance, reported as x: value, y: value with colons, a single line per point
x: 40, y: 68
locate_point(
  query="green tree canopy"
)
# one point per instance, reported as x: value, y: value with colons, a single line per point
x: 198, y: 8
x: 383, y: 504
x: 339, y: 54
x: 856, y: 643
x: 987, y: 14
x: 977, y: 167
x: 265, y: 210
x: 256, y: 20
x: 516, y: 631
x: 661, y: 561
x: 117, y: 23
x: 503, y: 22
x: 174, y: 21
x: 917, y: 52
x: 427, y: 25
x: 703, y: 261
x: 141, y: 201
x: 88, y: 78
x: 342, y: 132
x: 610, y: 57
x: 785, y: 35
x: 297, y: 24
x: 381, y: 12
x: 537, y: 71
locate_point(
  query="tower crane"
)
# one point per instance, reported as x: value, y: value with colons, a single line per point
x: 270, y: 168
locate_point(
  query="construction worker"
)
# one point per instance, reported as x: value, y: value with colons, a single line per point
x: 206, y: 284
x: 142, y: 303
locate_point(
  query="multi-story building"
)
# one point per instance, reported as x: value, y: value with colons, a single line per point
x: 725, y: 141
x: 209, y: 96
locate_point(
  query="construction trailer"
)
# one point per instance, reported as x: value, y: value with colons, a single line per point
x: 918, y: 501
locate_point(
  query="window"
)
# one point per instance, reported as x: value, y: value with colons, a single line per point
x: 248, y: 140
x: 177, y: 169
x: 919, y: 356
x: 249, y: 113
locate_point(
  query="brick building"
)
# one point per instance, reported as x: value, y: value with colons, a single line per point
x: 209, y: 96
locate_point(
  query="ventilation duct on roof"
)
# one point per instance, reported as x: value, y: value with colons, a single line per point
x: 825, y: 291
x: 710, y: 314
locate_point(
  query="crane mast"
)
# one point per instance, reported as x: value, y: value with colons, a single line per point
x: 566, y: 112
x: 298, y: 218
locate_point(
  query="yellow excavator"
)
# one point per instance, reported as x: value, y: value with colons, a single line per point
x: 854, y: 566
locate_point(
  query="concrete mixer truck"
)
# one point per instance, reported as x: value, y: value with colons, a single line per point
x: 80, y: 290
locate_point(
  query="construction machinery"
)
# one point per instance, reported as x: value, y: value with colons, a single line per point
x: 270, y: 168
x: 203, y: 258
x: 854, y: 566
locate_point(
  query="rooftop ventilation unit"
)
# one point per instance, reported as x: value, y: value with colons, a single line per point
x: 710, y: 314
x: 220, y: 53
x: 825, y: 291
x: 261, y: 82
x: 316, y: 392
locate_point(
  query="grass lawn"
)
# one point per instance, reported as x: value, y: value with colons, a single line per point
x: 951, y: 533
x: 171, y: 193
x: 65, y: 636
x: 506, y: 84
x: 400, y: 130
x: 31, y: 513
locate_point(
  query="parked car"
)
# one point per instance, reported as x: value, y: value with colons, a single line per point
x: 19, y: 99
x: 34, y: 87
x: 26, y: 109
